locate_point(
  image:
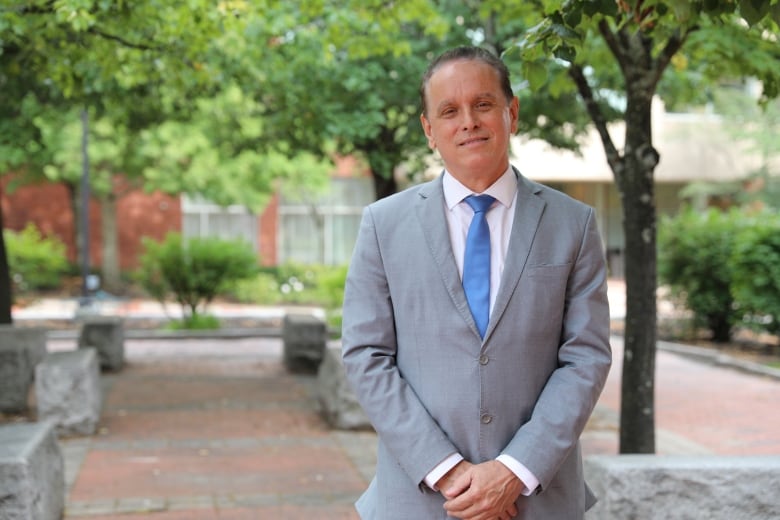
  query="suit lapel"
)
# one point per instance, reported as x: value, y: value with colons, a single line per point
x: 433, y: 221
x: 528, y: 213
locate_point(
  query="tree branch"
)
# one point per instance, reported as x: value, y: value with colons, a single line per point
x: 119, y: 39
x: 613, y: 156
x: 38, y: 9
x: 673, y: 45
x: 48, y: 8
x: 613, y: 43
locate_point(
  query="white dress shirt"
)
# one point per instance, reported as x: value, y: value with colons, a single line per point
x: 499, y: 219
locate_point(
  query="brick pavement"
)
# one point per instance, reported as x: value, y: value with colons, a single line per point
x: 710, y: 408
x: 211, y: 429
x: 217, y: 429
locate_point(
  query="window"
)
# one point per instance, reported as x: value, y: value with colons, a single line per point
x: 202, y: 218
x: 323, y: 230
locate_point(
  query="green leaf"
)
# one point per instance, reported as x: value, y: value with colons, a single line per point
x: 774, y: 12
x: 536, y: 74
x: 753, y: 11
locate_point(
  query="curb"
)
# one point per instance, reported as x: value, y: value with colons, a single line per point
x: 701, y: 354
x: 152, y: 334
x: 719, y: 359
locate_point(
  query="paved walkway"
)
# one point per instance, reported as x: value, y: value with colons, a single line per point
x: 207, y: 429
x: 217, y: 429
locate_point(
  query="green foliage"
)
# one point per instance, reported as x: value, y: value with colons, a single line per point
x: 195, y: 271
x: 195, y: 322
x: 694, y: 249
x: 756, y: 267
x: 725, y: 268
x: 261, y: 289
x: 296, y: 284
x: 35, y: 261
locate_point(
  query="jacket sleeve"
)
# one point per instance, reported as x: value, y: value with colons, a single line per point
x: 584, y: 358
x: 369, y: 351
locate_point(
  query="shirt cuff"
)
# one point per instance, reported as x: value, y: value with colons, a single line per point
x: 441, y: 469
x: 526, y: 477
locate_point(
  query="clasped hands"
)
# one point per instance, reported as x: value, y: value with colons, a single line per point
x: 485, y: 491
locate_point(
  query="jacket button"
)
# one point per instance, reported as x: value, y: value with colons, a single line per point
x: 486, y: 418
x: 483, y: 359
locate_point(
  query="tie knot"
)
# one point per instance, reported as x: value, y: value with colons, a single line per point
x: 479, y: 203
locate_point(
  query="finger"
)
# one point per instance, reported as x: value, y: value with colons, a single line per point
x: 462, y: 506
x: 458, y: 486
x: 458, y: 505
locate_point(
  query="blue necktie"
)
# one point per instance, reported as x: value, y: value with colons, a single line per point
x: 476, y: 262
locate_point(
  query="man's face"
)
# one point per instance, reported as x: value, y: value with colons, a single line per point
x: 469, y: 119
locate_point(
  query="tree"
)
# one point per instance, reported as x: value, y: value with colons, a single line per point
x: 340, y: 87
x: 153, y: 81
x: 71, y: 54
x: 621, y: 50
x: 345, y: 80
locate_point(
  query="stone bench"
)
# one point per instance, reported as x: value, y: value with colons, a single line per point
x: 32, y: 474
x: 21, y: 348
x: 107, y: 335
x: 664, y: 487
x: 337, y: 401
x: 68, y: 391
x: 304, y: 337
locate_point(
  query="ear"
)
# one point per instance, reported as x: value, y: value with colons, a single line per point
x: 428, y: 132
x: 514, y: 111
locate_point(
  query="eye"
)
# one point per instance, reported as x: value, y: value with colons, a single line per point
x: 484, y: 105
x: 448, y: 112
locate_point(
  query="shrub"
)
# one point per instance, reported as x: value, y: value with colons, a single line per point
x: 193, y: 271
x: 756, y: 265
x: 297, y: 284
x: 694, y: 252
x: 35, y: 262
x: 262, y: 289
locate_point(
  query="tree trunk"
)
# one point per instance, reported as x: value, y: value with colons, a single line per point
x: 383, y: 186
x: 383, y: 155
x: 6, y: 298
x: 636, y: 183
x: 110, y: 271
x: 78, y: 233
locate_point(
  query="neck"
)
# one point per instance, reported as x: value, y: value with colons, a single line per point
x: 477, y: 182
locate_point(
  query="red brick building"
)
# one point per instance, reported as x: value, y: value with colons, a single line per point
x: 283, y: 231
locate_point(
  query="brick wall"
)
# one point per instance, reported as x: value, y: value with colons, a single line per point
x: 49, y: 207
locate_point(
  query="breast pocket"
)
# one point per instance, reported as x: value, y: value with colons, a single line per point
x: 545, y: 290
x: 547, y: 271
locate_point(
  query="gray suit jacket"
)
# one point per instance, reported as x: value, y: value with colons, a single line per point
x: 430, y: 385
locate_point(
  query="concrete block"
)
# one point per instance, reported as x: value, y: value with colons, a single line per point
x: 337, y: 401
x: 304, y: 337
x: 21, y: 348
x: 32, y: 476
x: 68, y: 391
x: 107, y: 335
x: 650, y: 487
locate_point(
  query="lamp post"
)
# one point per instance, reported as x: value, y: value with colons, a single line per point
x: 85, y: 284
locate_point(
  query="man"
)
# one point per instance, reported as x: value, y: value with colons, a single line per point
x: 478, y: 406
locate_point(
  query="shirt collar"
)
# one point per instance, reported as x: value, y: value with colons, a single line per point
x: 503, y: 190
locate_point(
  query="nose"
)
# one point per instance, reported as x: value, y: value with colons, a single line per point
x: 470, y: 119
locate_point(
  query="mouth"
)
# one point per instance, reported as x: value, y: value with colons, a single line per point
x: 472, y: 141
